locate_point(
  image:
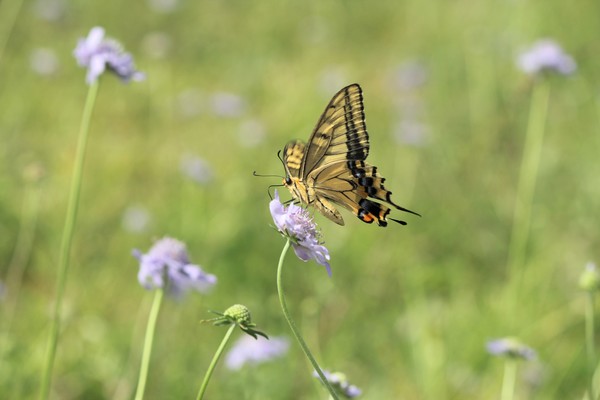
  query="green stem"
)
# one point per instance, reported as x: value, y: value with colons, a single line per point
x: 589, y: 337
x: 22, y: 251
x: 148, y: 340
x: 67, y: 238
x: 526, y: 187
x: 295, y: 330
x: 9, y: 10
x: 214, y: 361
x: 510, y: 375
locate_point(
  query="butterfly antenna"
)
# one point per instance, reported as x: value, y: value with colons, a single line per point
x: 266, y: 176
x: 280, y: 158
x: 272, y: 186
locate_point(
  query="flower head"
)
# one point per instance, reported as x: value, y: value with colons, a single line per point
x: 340, y: 384
x: 97, y: 54
x: 546, y: 55
x: 590, y: 278
x: 249, y: 351
x: 167, y: 265
x: 511, y: 348
x: 295, y: 223
x: 239, y: 315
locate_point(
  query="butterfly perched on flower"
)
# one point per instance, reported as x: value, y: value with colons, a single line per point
x: 330, y: 169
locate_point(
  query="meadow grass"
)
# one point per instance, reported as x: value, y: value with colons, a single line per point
x: 408, y: 310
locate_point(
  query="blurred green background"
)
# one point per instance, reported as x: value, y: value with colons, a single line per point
x: 408, y: 310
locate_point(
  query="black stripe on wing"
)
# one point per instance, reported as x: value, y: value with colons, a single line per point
x: 355, y: 185
x: 340, y: 134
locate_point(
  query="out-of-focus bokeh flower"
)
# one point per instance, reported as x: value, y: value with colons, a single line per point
x: 546, y: 55
x: 135, y: 219
x: 167, y: 265
x: 43, y: 61
x: 50, y: 10
x: 163, y: 6
x: 251, y: 133
x: 255, y: 351
x: 227, y: 105
x: 99, y: 54
x: 339, y: 382
x: 410, y: 75
x: 157, y: 45
x: 510, y: 347
x: 190, y: 103
x: 197, y: 169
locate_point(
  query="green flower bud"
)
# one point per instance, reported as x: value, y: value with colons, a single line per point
x: 240, y: 314
x: 590, y: 278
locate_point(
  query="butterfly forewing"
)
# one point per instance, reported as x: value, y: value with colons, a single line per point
x: 331, y: 169
x: 341, y: 132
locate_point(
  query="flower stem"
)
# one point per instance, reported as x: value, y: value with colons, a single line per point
x: 22, y: 250
x: 214, y: 361
x: 9, y: 11
x: 589, y: 336
x: 67, y: 238
x: 293, y: 327
x: 526, y: 187
x: 148, y: 340
x: 508, y: 382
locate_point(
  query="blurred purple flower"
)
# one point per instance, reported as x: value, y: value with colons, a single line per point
x: 197, y: 169
x: 251, y: 133
x: 340, y: 384
x: 255, y: 351
x: 167, y: 265
x: 157, y: 45
x: 546, y: 55
x: 135, y: 219
x: 190, y: 103
x: 411, y: 133
x: 97, y: 54
x: 295, y: 223
x: 43, y: 61
x: 227, y: 105
x: 163, y: 6
x: 510, y: 347
x: 410, y: 75
x: 50, y: 10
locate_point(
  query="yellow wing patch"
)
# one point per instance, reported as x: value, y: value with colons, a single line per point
x: 331, y: 168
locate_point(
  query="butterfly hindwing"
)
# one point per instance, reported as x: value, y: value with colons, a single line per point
x: 331, y: 168
x: 355, y: 185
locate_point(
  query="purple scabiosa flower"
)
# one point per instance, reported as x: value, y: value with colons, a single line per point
x: 590, y: 278
x: 340, y: 384
x: 511, y: 348
x: 98, y: 54
x: 295, y: 223
x: 546, y: 55
x: 255, y: 351
x: 167, y: 265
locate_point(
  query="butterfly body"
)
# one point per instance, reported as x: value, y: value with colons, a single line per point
x: 330, y: 169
